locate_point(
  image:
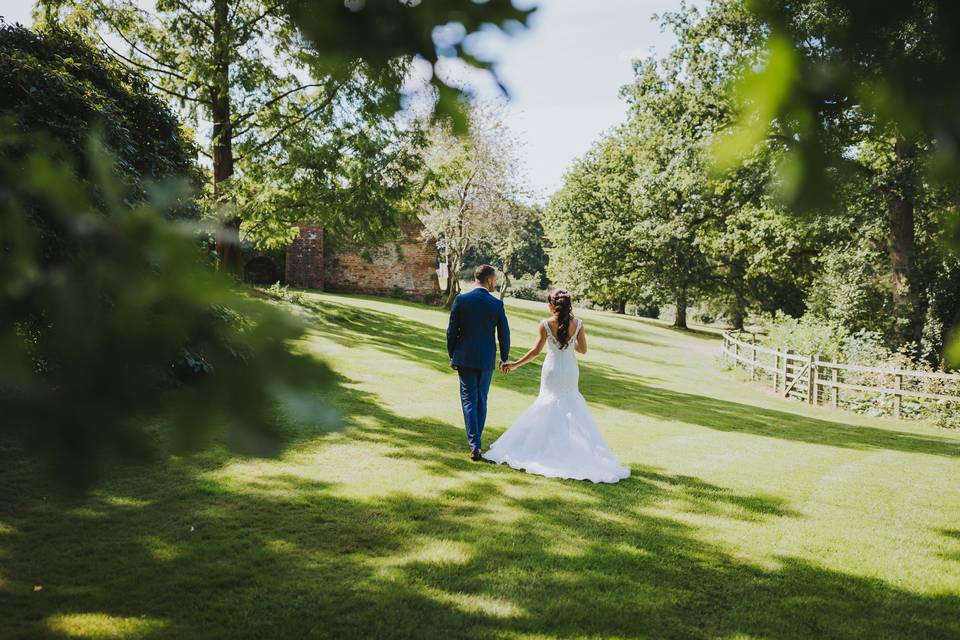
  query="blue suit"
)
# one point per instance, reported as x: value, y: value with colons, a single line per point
x: 474, y: 317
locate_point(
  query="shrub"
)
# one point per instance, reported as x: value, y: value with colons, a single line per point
x: 283, y: 293
x: 529, y: 293
x: 807, y: 334
x: 54, y: 82
x: 810, y: 334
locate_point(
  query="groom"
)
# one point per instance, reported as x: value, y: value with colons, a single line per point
x: 473, y: 318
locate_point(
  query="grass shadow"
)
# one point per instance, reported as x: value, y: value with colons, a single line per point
x: 425, y: 345
x: 182, y: 552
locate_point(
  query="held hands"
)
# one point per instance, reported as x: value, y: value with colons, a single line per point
x: 507, y: 367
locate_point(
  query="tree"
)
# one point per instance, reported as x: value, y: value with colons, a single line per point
x: 588, y: 223
x: 472, y: 186
x: 886, y: 69
x: 644, y: 217
x: 333, y: 69
x: 117, y: 341
x: 516, y: 243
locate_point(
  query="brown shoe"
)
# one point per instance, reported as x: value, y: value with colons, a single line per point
x: 475, y: 455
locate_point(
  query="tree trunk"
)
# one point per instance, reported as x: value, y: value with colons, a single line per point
x: 680, y: 321
x: 738, y: 310
x: 504, y: 285
x: 453, y: 280
x: 621, y: 306
x: 907, y: 308
x: 228, y: 236
x: 454, y: 291
x: 737, y: 313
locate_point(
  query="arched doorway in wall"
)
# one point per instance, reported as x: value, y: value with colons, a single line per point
x: 261, y: 270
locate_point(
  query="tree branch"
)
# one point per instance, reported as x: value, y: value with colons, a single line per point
x: 246, y: 27
x: 177, y: 94
x: 266, y: 143
x: 271, y: 102
x: 120, y: 33
x: 139, y: 64
x: 199, y: 18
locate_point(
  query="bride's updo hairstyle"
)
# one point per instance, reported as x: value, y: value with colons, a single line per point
x: 563, y: 306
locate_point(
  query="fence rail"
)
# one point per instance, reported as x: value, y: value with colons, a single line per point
x: 806, y: 376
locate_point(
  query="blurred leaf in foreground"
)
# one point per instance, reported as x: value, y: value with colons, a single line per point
x: 128, y: 343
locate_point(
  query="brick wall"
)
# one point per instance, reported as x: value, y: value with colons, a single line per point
x: 409, y: 264
x: 305, y: 267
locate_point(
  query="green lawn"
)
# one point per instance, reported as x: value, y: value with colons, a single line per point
x: 747, y: 516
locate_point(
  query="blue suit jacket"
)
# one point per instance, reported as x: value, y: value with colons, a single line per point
x: 473, y: 318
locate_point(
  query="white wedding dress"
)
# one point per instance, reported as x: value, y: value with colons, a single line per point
x: 556, y: 436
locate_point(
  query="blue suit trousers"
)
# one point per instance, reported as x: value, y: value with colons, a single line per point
x: 474, y: 386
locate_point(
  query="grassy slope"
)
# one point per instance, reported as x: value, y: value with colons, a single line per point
x: 747, y: 516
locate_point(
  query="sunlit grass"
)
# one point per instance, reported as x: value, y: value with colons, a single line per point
x: 746, y: 516
x: 100, y: 625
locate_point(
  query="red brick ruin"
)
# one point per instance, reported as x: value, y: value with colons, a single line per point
x: 406, y: 265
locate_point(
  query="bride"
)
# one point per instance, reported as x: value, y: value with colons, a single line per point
x: 556, y: 436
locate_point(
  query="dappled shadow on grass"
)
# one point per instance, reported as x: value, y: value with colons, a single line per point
x: 954, y: 534
x: 425, y: 345
x: 278, y: 554
x: 440, y: 448
x: 533, y: 316
x: 633, y: 394
x: 206, y: 551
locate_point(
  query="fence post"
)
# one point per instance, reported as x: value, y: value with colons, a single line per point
x: 812, y: 386
x: 784, y: 369
x: 834, y: 391
x: 736, y: 352
x: 753, y: 357
x: 897, y: 384
x: 776, y: 370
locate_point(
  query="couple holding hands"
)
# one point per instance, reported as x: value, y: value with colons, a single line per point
x: 556, y: 436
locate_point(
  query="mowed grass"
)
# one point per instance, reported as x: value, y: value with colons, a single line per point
x: 747, y: 516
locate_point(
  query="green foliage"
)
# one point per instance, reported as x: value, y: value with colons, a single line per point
x: 852, y: 288
x: 529, y: 293
x: 379, y: 33
x: 282, y: 292
x: 588, y: 223
x: 807, y: 334
x: 90, y: 341
x: 53, y: 81
x: 860, y: 95
x: 835, y: 341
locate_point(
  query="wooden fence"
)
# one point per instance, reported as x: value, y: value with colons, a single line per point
x: 808, y: 377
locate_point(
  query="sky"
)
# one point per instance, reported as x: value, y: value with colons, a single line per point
x: 563, y: 74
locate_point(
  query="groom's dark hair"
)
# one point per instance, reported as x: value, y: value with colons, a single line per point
x: 483, y: 273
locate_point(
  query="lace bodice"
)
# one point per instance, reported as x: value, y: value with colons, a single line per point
x: 560, y: 374
x: 552, y: 340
